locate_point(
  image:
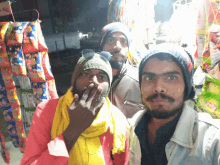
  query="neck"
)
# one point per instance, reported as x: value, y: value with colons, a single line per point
x: 154, y: 124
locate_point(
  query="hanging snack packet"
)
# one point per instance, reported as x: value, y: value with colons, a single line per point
x: 8, y: 116
x: 30, y: 38
x: 4, y: 60
x: 42, y: 46
x: 4, y: 103
x: 16, y: 35
x: 13, y: 98
x: 2, y: 87
x: 30, y: 99
x: 6, y: 75
x: 17, y: 60
x: 46, y: 66
x: 16, y: 113
x: 52, y: 89
x: 4, y: 153
x: 22, y: 142
x: 24, y: 98
x: 13, y: 136
x: 34, y: 64
x: 25, y: 82
x: 40, y: 92
x: 3, y: 29
x: 209, y: 100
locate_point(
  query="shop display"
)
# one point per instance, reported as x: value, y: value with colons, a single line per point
x: 26, y: 76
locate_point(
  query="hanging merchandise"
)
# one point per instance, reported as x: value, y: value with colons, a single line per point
x: 209, y: 100
x: 4, y: 153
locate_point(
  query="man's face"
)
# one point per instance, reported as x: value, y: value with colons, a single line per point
x: 162, y: 88
x: 117, y: 45
x: 95, y: 76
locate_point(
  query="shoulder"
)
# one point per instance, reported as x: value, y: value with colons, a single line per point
x: 47, y: 107
x: 208, y: 120
x: 132, y: 73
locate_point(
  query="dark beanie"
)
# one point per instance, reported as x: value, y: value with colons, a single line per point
x: 181, y: 57
x: 111, y: 28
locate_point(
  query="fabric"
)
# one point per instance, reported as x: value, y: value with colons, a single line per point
x: 182, y: 58
x: 89, y: 141
x: 92, y: 63
x: 154, y: 153
x: 125, y: 92
x: 40, y: 149
x: 196, y: 139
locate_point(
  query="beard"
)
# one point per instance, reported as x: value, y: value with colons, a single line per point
x: 117, y: 64
x: 161, y: 112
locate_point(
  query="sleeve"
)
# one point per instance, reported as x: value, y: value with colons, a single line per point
x: 123, y: 158
x: 40, y: 149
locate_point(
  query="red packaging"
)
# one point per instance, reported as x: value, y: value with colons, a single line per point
x: 20, y: 128
x: 16, y: 113
x: 31, y: 38
x: 17, y: 60
x: 3, y: 29
x: 13, y: 98
x: 6, y: 75
x: 52, y: 89
x: 16, y: 35
x: 46, y: 66
x: 3, y: 56
x: 34, y: 64
x: 22, y: 143
x: 42, y: 46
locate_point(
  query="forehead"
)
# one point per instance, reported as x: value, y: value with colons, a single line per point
x: 118, y: 35
x: 157, y: 66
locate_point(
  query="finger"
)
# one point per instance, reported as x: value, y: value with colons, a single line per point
x: 87, y: 92
x: 75, y: 102
x: 98, y: 106
x: 92, y: 95
x: 96, y: 98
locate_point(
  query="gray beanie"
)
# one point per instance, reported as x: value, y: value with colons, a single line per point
x: 95, y: 62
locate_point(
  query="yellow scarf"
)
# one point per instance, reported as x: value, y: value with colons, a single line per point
x: 88, y: 149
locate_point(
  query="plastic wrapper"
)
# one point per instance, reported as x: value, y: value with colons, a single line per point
x: 6, y: 75
x: 40, y: 91
x: 16, y: 80
x: 3, y: 29
x: 31, y: 38
x: 16, y: 112
x: 29, y: 112
x: 2, y: 87
x: 11, y: 126
x: 52, y: 89
x: 25, y: 82
x: 4, y: 153
x: 4, y: 102
x: 17, y: 60
x: 30, y: 99
x: 46, y: 66
x: 34, y: 64
x: 42, y: 46
x: 4, y: 60
x: 16, y: 34
x: 215, y: 72
x: 209, y: 100
x: 13, y: 98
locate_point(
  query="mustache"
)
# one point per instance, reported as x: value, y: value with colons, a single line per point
x: 163, y: 96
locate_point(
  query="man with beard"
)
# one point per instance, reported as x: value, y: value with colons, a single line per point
x: 125, y: 93
x: 169, y: 131
x: 82, y: 127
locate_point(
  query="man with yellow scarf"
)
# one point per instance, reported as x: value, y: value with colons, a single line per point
x: 82, y: 127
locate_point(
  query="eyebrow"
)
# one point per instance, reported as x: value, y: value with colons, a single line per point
x: 166, y: 73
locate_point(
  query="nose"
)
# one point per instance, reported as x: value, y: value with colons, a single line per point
x: 118, y: 45
x: 94, y: 80
x: 159, y: 86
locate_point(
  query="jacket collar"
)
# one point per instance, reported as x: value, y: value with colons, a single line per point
x: 183, y: 134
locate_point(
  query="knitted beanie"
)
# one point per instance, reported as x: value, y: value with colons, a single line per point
x: 181, y: 57
x: 94, y: 62
x: 111, y: 28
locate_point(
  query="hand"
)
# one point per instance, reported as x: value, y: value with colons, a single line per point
x: 83, y: 112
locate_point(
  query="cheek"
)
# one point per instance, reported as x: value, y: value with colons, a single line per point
x: 107, y: 48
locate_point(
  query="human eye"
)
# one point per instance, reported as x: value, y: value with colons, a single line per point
x: 171, y: 77
x: 148, y: 78
x: 124, y: 41
x: 85, y: 74
x: 110, y: 40
x: 103, y: 77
